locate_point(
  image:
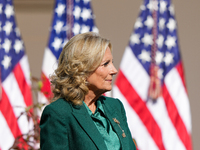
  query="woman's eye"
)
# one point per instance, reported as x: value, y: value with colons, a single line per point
x: 105, y: 64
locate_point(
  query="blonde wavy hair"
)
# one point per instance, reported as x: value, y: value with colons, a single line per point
x: 79, y: 58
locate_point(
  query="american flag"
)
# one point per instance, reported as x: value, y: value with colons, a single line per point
x: 15, y: 84
x: 156, y: 101
x: 71, y: 17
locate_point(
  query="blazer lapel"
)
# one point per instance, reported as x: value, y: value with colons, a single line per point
x: 86, y: 122
x: 112, y: 114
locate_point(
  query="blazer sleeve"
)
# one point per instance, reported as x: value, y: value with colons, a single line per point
x: 53, y: 132
x: 132, y: 144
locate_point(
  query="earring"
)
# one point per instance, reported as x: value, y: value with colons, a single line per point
x: 85, y: 82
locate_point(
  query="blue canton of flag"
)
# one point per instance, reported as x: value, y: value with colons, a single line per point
x: 141, y: 39
x: 82, y: 22
x: 12, y: 48
x: 73, y: 16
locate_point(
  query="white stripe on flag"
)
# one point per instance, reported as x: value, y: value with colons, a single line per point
x: 177, y: 91
x: 43, y: 100
x: 16, y: 99
x: 135, y: 73
x: 136, y: 126
x: 25, y: 68
x: 170, y: 137
x: 6, y: 138
x: 49, y: 63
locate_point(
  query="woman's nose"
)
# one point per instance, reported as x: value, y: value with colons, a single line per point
x: 114, y: 70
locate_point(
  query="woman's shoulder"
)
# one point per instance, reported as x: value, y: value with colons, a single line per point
x: 115, y: 102
x: 59, y: 107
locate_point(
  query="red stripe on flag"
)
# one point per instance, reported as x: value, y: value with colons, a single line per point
x: 180, y: 70
x: 9, y: 115
x: 176, y: 119
x: 11, y: 120
x: 23, y: 86
x: 140, y: 108
x: 46, y: 87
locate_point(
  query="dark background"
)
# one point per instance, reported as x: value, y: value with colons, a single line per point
x: 115, y: 20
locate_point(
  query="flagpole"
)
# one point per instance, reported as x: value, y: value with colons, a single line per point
x: 155, y: 83
x: 70, y: 19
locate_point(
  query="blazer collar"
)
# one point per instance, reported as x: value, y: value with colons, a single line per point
x: 112, y: 114
x: 86, y: 122
x: 82, y: 116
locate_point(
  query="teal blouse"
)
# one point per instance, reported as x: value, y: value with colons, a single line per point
x: 103, y: 125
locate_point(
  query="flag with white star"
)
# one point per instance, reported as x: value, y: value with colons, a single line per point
x: 150, y: 82
x: 15, y: 83
x: 71, y: 17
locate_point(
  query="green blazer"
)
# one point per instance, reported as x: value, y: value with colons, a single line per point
x: 68, y: 127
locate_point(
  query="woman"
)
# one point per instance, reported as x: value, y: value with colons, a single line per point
x: 80, y: 118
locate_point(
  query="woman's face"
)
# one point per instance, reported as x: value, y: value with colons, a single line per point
x: 101, y: 80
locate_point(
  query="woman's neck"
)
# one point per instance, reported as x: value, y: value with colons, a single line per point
x: 90, y: 100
